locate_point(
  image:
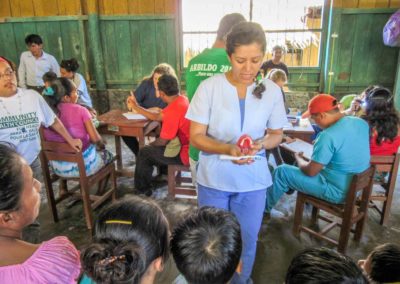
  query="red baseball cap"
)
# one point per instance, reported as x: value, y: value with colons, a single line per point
x: 320, y: 103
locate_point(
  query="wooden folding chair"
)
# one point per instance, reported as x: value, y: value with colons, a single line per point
x: 55, y: 151
x: 177, y: 184
x: 353, y: 212
x: 383, y: 191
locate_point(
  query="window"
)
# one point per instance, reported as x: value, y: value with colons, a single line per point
x: 296, y: 25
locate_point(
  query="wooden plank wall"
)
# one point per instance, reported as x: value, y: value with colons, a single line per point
x: 367, y: 3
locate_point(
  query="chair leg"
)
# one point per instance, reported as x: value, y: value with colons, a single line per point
x: 171, y: 181
x: 314, y: 215
x: 298, y: 215
x: 86, y: 205
x: 344, y: 234
x: 387, y: 205
x: 114, y: 185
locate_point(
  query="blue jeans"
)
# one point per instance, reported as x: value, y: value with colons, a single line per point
x: 286, y: 177
x: 248, y: 208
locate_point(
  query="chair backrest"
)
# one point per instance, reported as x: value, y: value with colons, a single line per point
x: 61, y: 151
x: 387, y: 164
x: 361, y: 186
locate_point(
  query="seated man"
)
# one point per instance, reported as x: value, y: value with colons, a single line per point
x: 174, y: 124
x: 340, y: 151
x: 323, y: 265
x: 383, y: 264
x: 206, y: 246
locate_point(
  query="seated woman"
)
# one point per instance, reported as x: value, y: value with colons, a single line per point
x: 130, y: 243
x: 68, y: 70
x: 383, y: 121
x: 53, y: 261
x: 62, y: 97
x: 148, y: 96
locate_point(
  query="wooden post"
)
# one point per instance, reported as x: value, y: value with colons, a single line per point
x: 95, y: 44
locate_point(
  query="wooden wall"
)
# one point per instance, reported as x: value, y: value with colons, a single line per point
x: 367, y: 3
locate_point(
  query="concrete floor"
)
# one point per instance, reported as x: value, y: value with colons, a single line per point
x: 276, y: 246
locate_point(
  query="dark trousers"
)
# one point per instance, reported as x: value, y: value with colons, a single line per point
x: 148, y: 157
x: 132, y: 143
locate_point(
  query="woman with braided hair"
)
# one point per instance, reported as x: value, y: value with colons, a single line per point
x: 130, y: 243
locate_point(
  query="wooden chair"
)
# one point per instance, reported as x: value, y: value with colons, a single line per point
x: 389, y: 165
x: 55, y: 151
x: 353, y: 211
x: 177, y: 184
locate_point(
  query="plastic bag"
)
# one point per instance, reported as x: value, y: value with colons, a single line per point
x: 391, y: 31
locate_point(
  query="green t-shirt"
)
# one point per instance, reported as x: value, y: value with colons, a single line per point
x: 208, y: 63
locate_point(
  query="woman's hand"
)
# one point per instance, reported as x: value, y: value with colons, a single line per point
x: 235, y: 151
x: 76, y: 144
x: 131, y: 102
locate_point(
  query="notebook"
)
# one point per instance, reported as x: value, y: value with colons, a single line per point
x: 131, y: 115
x: 299, y: 146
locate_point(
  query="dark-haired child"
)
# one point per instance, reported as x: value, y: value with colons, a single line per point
x: 130, y: 243
x: 62, y: 98
x: 383, y: 264
x: 323, y: 265
x: 207, y: 245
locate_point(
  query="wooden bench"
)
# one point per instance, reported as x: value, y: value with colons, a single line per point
x: 178, y: 184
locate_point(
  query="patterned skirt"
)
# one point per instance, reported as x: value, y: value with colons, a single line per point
x: 94, y: 161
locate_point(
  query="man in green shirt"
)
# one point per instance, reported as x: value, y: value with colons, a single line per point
x: 206, y: 64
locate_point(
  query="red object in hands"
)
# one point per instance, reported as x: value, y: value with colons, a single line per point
x: 245, y: 143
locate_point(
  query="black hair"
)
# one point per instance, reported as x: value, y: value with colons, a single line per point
x: 226, y: 24
x: 33, y: 38
x: 49, y: 76
x: 71, y: 65
x: 59, y: 88
x: 168, y: 84
x: 11, y: 179
x: 245, y: 33
x: 381, y: 114
x: 385, y: 263
x: 128, y: 236
x: 323, y: 265
x: 277, y: 47
x: 207, y: 246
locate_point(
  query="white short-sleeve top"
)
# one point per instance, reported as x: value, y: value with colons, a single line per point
x: 216, y: 104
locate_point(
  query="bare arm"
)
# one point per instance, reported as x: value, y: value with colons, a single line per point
x: 160, y: 142
x: 271, y: 140
x: 60, y: 129
x: 149, y: 114
x: 309, y: 168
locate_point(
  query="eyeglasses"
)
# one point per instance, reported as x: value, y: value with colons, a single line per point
x: 8, y: 73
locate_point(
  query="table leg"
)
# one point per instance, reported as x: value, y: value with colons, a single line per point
x: 141, y: 139
x: 119, y: 152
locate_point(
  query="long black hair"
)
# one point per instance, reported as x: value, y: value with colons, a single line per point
x: 381, y: 114
x: 11, y: 180
x: 129, y: 236
x: 59, y: 88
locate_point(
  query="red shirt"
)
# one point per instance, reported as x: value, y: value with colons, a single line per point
x: 386, y: 148
x: 175, y: 124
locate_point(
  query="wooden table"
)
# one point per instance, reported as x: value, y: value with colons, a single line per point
x: 304, y: 133
x: 114, y: 123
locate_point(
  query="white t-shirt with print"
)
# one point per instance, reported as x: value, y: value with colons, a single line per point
x: 20, y: 118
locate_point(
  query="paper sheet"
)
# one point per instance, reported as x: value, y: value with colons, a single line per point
x: 135, y: 116
x: 233, y: 158
x: 300, y: 146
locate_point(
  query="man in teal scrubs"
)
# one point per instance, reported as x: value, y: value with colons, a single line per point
x: 206, y: 64
x: 340, y: 151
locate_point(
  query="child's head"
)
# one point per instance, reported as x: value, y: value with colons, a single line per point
x: 19, y: 191
x: 383, y: 264
x: 278, y: 76
x: 48, y: 78
x: 61, y: 90
x: 207, y: 246
x: 323, y: 109
x: 130, y: 240
x: 323, y: 265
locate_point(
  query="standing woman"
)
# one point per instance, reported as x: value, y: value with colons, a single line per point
x: 224, y: 108
x: 148, y: 97
x: 68, y: 70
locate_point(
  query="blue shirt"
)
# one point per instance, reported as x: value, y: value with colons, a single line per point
x: 343, y: 149
x: 216, y: 104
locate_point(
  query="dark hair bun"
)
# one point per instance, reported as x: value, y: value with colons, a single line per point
x: 70, y: 65
x: 112, y: 263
